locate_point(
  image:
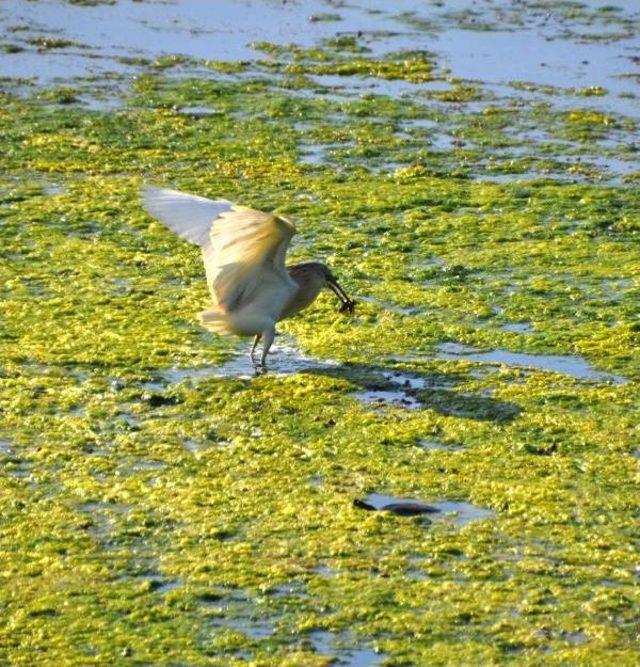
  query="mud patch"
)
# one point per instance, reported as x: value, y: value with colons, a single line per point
x: 382, y: 397
x: 400, y: 390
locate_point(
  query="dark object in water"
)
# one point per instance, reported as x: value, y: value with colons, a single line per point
x: 401, y: 508
x: 158, y: 400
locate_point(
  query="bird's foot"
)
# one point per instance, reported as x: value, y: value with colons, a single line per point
x: 259, y: 366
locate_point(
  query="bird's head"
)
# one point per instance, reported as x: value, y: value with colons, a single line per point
x: 312, y: 276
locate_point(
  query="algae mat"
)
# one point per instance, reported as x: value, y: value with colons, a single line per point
x: 160, y: 505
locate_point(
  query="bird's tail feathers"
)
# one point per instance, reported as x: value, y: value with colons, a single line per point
x: 215, y: 320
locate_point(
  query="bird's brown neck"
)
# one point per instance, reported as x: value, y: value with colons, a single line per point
x: 310, y: 281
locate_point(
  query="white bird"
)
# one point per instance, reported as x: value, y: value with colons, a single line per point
x: 244, y: 253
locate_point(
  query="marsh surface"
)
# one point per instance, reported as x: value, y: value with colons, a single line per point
x: 470, y: 171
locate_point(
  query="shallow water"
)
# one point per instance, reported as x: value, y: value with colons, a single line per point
x: 194, y: 447
x: 284, y: 359
x: 518, y: 327
x: 223, y: 30
x: 235, y: 610
x: 198, y: 111
x: 538, y: 51
x: 381, y: 397
x: 530, y: 55
x: 575, y: 638
x: 458, y: 513
x: 437, y: 446
x: 254, y: 628
x: 325, y: 642
x: 519, y: 45
x: 572, y: 366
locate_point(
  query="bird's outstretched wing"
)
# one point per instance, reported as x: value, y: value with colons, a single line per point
x: 246, y: 257
x: 189, y: 216
x: 243, y: 249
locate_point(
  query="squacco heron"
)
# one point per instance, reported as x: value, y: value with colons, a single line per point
x: 244, y: 253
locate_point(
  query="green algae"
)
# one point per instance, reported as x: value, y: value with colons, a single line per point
x: 53, y: 43
x: 324, y: 17
x: 414, y: 66
x: 122, y: 544
x: 64, y: 95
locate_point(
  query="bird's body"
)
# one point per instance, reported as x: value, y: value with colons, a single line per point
x: 243, y: 252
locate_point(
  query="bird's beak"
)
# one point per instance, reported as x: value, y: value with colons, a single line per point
x: 348, y: 305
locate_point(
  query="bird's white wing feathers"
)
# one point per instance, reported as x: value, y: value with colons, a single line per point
x: 189, y: 216
x: 246, y: 257
x: 243, y: 250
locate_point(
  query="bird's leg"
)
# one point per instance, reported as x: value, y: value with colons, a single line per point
x: 256, y: 340
x: 267, y: 339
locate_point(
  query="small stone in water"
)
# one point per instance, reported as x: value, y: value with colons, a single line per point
x: 401, y: 508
